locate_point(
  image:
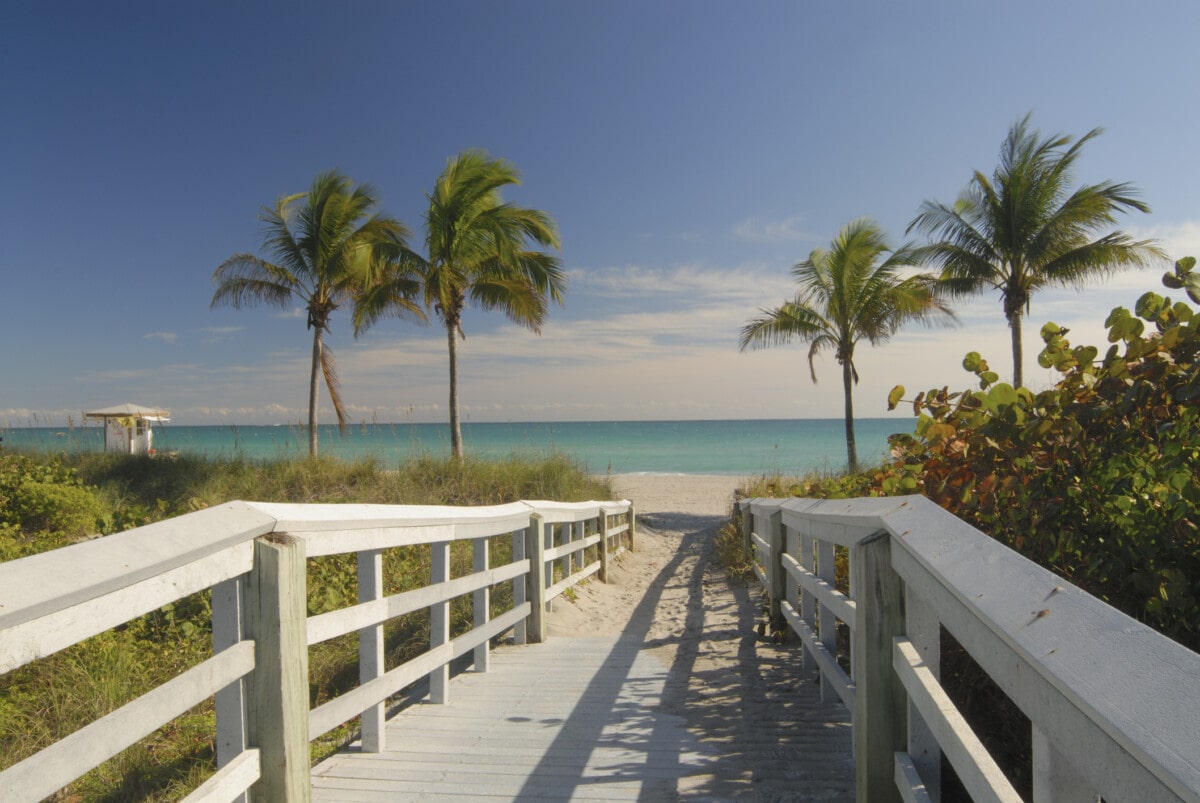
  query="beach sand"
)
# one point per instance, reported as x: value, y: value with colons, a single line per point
x: 690, y: 494
x: 737, y: 691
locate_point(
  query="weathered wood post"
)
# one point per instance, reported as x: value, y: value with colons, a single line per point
x: 548, y: 540
x: 439, y: 622
x: 566, y: 536
x: 277, y: 720
x: 535, y: 586
x: 881, y: 702
x: 774, y: 568
x: 632, y: 526
x: 230, y: 702
x: 923, y: 629
x: 791, y: 587
x: 518, y: 584
x: 808, y: 604
x: 370, y: 647
x: 603, y: 545
x: 481, y: 601
x: 826, y: 620
x: 747, y: 526
x: 1054, y: 779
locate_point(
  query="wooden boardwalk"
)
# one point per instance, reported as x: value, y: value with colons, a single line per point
x: 586, y: 719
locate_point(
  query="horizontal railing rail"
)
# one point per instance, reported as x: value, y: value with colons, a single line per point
x: 253, y: 557
x: 1114, y: 705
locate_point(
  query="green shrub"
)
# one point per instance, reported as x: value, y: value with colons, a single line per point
x: 1094, y: 478
x: 43, y: 505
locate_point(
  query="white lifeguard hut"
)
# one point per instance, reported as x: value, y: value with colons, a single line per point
x: 128, y: 427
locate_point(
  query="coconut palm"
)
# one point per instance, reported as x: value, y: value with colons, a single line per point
x: 1026, y: 229
x: 846, y: 295
x: 477, y: 252
x: 325, y: 247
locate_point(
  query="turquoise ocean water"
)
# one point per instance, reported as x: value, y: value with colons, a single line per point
x: 743, y: 448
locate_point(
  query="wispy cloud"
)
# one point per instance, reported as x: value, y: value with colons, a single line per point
x: 690, y: 285
x: 788, y: 230
x: 218, y: 334
x: 115, y: 375
x: 1177, y: 239
x: 166, y: 337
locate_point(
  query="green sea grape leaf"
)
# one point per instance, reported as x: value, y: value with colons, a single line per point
x: 1002, y: 394
x: 1150, y: 306
x: 895, y: 396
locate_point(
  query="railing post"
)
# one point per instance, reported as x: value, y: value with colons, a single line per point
x: 481, y: 602
x: 548, y: 574
x: 808, y: 602
x: 277, y: 720
x: 535, y: 587
x: 632, y: 526
x: 518, y: 584
x: 439, y: 622
x: 923, y: 629
x: 1055, y: 780
x: 774, y: 569
x: 880, y: 700
x: 230, y: 702
x: 370, y: 647
x: 603, y: 545
x: 792, y: 547
x: 826, y: 621
x: 566, y: 536
x: 747, y: 526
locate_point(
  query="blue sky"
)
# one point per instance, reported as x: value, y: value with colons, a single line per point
x: 691, y: 153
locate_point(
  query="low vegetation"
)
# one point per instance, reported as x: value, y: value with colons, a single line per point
x: 48, y: 501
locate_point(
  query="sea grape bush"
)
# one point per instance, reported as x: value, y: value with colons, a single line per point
x: 1094, y: 478
x: 43, y: 502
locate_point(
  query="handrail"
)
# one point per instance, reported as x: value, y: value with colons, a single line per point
x: 1115, y: 706
x: 252, y: 556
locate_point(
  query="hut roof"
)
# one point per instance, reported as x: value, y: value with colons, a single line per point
x: 131, y: 411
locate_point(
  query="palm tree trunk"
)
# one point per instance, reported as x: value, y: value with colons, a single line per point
x: 1014, y: 325
x: 848, y: 388
x: 314, y: 388
x: 456, y: 444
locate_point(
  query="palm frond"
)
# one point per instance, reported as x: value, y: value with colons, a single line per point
x: 515, y: 296
x: 390, y: 297
x: 246, y: 280
x: 792, y: 320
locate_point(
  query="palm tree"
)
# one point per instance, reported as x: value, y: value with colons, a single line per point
x: 1025, y: 229
x: 846, y: 295
x: 477, y: 252
x: 325, y: 247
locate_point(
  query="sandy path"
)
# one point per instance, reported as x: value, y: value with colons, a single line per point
x: 746, y: 696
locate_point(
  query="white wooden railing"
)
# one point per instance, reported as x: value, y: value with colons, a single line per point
x: 253, y: 558
x: 1114, y: 705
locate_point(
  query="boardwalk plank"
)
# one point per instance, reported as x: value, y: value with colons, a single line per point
x: 538, y: 727
x: 696, y: 708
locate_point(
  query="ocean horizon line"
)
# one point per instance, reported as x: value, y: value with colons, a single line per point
x: 91, y: 422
